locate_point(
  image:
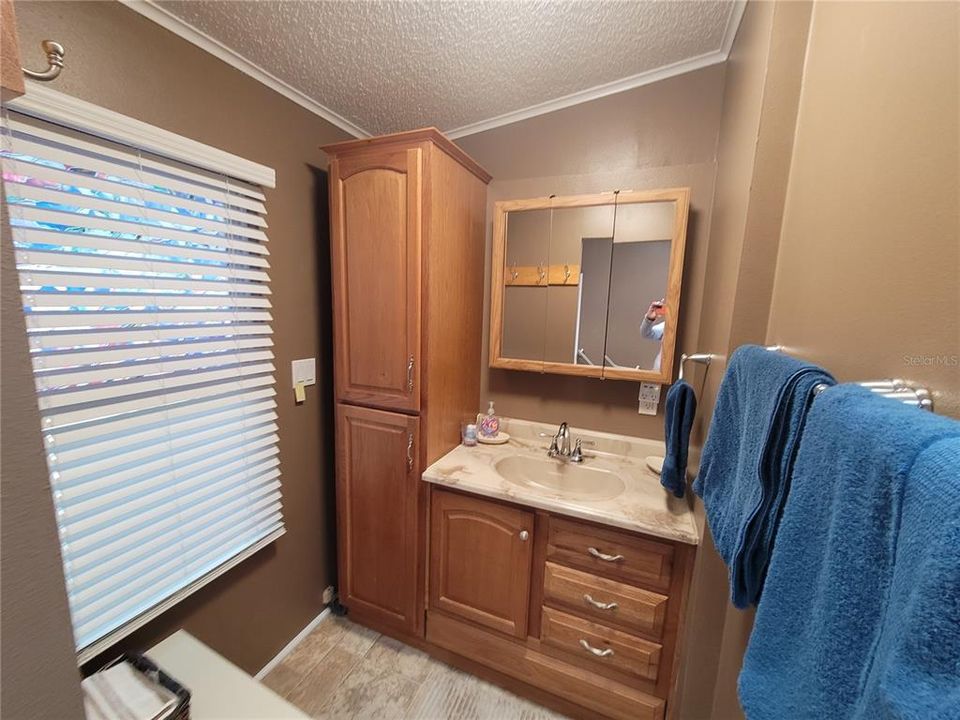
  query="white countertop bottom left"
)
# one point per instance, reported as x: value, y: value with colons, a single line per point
x: 218, y: 688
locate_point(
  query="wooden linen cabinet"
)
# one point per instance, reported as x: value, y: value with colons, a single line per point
x: 407, y: 245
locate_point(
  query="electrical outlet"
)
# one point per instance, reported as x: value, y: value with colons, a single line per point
x: 649, y: 398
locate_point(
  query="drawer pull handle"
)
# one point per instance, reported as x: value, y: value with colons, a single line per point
x: 606, y: 652
x: 600, y: 605
x: 603, y: 556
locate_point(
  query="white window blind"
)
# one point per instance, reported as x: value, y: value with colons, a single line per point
x: 147, y: 303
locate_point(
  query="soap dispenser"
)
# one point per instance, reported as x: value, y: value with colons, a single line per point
x: 489, y: 424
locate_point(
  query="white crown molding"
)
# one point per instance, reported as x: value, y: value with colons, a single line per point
x: 617, y: 86
x: 181, y: 28
x: 733, y: 25
x: 166, y: 19
x: 594, y: 93
x: 43, y: 102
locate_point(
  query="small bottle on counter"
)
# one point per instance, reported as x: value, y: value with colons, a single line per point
x: 470, y: 435
x: 489, y: 423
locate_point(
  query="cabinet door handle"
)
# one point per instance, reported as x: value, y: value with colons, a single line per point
x: 410, y: 374
x: 606, y: 652
x: 524, y: 535
x: 603, y: 556
x: 600, y: 605
x: 409, y: 451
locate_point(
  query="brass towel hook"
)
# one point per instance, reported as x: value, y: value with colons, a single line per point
x: 54, y: 52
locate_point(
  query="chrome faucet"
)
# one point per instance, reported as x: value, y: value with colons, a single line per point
x: 561, y: 442
x: 560, y: 445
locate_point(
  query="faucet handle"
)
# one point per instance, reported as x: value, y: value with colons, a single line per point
x: 577, y: 455
x: 554, y: 449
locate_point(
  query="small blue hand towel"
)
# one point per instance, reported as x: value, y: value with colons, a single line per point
x: 746, y: 464
x: 860, y: 615
x: 680, y: 411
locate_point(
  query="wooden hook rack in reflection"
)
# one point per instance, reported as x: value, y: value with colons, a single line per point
x: 542, y: 275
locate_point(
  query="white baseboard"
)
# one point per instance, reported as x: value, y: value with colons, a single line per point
x: 288, y: 648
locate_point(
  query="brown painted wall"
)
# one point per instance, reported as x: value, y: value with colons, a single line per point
x: 657, y: 136
x: 868, y: 276
x: 120, y: 60
x: 787, y: 27
x: 739, y: 128
x: 816, y: 192
x: 40, y: 678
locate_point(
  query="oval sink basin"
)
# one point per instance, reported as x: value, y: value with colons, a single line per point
x: 577, y: 482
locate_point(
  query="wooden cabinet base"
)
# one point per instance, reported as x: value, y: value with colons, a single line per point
x: 519, y: 660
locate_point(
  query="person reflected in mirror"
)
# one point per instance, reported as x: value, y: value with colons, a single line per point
x: 651, y: 327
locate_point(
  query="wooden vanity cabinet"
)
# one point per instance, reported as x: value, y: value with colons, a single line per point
x: 587, y: 613
x: 407, y: 244
x: 480, y: 558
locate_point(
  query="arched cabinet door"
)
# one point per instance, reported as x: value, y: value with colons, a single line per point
x: 377, y: 519
x: 480, y: 560
x: 375, y: 219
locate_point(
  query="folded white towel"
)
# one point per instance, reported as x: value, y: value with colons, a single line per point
x: 123, y: 693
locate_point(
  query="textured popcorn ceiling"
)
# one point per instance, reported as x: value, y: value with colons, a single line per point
x: 389, y: 66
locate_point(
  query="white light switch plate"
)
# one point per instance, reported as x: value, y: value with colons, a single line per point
x: 649, y: 398
x: 304, y: 371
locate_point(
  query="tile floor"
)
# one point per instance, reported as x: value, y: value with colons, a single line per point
x: 343, y: 670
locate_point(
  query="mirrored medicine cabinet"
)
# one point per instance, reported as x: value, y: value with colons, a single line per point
x: 576, y: 280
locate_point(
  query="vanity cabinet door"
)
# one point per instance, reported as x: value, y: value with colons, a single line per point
x: 480, y: 561
x: 377, y: 487
x: 375, y: 203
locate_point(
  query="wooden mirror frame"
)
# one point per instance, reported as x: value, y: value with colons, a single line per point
x: 680, y: 196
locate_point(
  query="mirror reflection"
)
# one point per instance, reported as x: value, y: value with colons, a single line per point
x: 580, y: 237
x: 525, y: 297
x: 589, y: 285
x: 639, y: 266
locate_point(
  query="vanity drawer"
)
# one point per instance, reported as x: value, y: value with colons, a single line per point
x: 601, y: 645
x: 610, y: 553
x: 604, y: 600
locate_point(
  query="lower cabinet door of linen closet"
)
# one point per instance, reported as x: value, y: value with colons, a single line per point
x: 377, y: 515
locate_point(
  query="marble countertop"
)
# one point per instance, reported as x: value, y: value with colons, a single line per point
x: 643, y: 506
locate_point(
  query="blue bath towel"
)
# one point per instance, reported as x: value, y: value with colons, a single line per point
x: 745, y: 468
x: 915, y: 669
x: 860, y: 614
x: 680, y: 411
